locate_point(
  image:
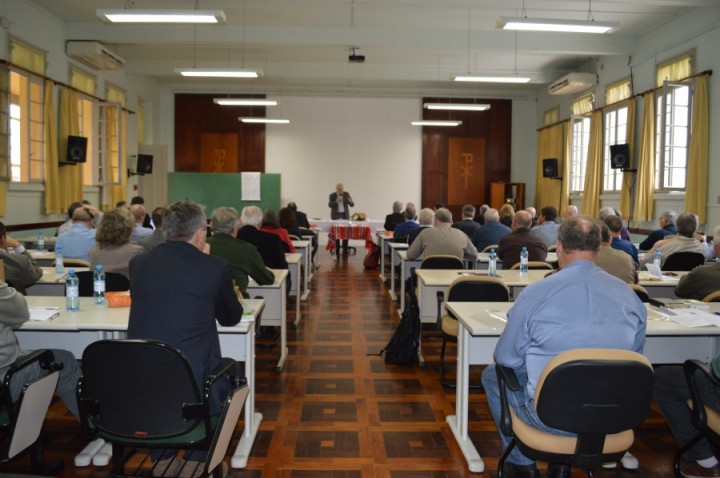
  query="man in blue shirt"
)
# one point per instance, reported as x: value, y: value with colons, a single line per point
x: 614, y: 223
x: 403, y: 230
x: 667, y: 228
x: 547, y: 227
x: 580, y: 306
x: 78, y: 240
x: 491, y: 232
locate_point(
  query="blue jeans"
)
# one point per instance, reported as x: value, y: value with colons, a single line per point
x: 521, y: 404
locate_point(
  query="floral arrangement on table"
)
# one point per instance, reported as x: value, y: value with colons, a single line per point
x: 359, y: 216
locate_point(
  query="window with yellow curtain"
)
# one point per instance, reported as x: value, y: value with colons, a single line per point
x: 551, y: 116
x: 86, y: 83
x: 618, y: 91
x: 4, y: 126
x: 140, y: 114
x: 581, y: 109
x: 676, y: 69
x: 616, y: 132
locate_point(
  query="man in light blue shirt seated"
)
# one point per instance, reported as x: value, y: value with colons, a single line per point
x: 547, y: 228
x: 580, y: 306
x: 80, y: 238
x: 139, y: 231
x: 403, y: 230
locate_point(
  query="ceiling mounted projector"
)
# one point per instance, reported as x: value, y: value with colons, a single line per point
x: 355, y: 58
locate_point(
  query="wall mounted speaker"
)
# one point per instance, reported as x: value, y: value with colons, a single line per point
x: 144, y: 164
x: 76, y: 150
x: 620, y: 156
x: 550, y: 168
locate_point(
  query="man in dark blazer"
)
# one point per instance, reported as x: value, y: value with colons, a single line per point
x: 491, y: 232
x: 300, y: 217
x: 521, y: 236
x: 340, y: 203
x: 268, y: 245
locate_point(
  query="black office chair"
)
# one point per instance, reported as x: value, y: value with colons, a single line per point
x: 641, y: 292
x: 439, y: 261
x: 704, y: 418
x: 466, y: 289
x: 598, y: 394
x: 143, y: 394
x: 114, y: 282
x: 683, y: 261
x: 22, y: 420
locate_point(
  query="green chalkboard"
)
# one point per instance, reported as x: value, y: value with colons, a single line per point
x: 222, y: 189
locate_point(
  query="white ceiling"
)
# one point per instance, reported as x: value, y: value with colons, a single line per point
x: 411, y: 46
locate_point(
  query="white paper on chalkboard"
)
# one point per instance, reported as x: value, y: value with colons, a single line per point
x: 250, y: 186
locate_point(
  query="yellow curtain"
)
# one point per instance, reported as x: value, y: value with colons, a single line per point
x: 26, y: 56
x: 675, y: 69
x: 117, y: 144
x: 565, y: 168
x: 697, y: 173
x: 141, y: 122
x: 594, y: 166
x: 53, y: 201
x: 4, y: 137
x: 71, y: 177
x: 645, y: 186
x: 625, y: 191
x: 551, y: 116
x: 83, y: 81
x: 551, y: 144
x: 618, y: 91
x: 582, y: 105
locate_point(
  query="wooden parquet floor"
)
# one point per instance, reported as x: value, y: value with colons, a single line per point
x: 337, y: 412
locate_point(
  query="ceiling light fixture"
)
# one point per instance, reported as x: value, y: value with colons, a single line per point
x: 131, y: 15
x: 244, y: 102
x: 456, y: 106
x: 555, y: 25
x: 436, y: 123
x: 264, y: 120
x: 218, y: 73
x: 491, y: 79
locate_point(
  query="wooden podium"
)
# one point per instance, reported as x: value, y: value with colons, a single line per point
x: 501, y: 193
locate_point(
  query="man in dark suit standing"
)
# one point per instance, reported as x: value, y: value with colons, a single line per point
x: 340, y: 204
x: 178, y: 291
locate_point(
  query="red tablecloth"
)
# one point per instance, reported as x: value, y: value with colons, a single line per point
x: 349, y: 231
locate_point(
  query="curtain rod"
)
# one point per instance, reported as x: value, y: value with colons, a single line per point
x: 59, y: 83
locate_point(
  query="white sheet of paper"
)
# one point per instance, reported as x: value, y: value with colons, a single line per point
x: 693, y: 317
x: 43, y: 313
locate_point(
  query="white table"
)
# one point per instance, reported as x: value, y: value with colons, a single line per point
x: 294, y: 260
x: 75, y: 330
x: 275, y: 312
x: 303, y: 246
x: 484, y: 257
x: 42, y: 258
x: 50, y: 283
x: 480, y: 326
x: 395, y: 249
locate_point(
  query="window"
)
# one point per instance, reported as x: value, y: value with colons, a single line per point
x: 85, y: 82
x: 616, y: 126
x: 581, y: 109
x: 551, y: 116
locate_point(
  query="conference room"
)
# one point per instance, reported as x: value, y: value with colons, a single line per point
x: 350, y: 78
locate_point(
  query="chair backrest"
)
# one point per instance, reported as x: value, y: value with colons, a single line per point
x: 552, y: 248
x: 683, y: 261
x: 491, y: 246
x: 478, y: 289
x: 641, y: 292
x: 72, y: 262
x: 442, y: 262
x: 697, y: 376
x: 594, y: 392
x: 712, y: 297
x: 138, y: 389
x: 113, y: 282
x: 293, y: 237
x: 534, y: 265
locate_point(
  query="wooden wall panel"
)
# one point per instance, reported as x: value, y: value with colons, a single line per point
x: 196, y: 115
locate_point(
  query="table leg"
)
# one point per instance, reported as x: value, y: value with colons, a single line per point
x: 283, y: 329
x: 252, y: 419
x: 393, y: 296
x: 382, y: 260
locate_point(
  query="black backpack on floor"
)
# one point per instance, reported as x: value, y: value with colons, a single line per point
x: 405, y: 342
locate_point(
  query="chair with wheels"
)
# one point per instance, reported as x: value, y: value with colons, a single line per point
x: 113, y: 282
x: 683, y: 261
x: 533, y: 265
x: 598, y: 394
x: 466, y: 289
x: 143, y: 394
x: 712, y: 297
x: 22, y: 420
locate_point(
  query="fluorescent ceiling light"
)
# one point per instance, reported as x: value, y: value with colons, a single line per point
x: 264, y: 120
x: 491, y: 79
x: 456, y: 106
x: 244, y: 102
x: 554, y: 25
x: 136, y: 15
x: 218, y: 73
x: 436, y: 123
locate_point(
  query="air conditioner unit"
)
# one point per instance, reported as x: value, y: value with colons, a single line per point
x: 94, y: 54
x: 572, y: 83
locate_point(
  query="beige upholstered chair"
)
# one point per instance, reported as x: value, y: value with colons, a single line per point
x: 491, y: 246
x: 712, y: 297
x: 641, y: 292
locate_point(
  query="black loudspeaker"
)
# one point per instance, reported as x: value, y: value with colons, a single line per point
x: 144, y: 164
x: 76, y: 149
x: 620, y: 156
x: 550, y: 168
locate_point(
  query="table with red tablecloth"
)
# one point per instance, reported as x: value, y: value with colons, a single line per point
x: 349, y: 231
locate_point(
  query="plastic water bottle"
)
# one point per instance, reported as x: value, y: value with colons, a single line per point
x: 657, y: 257
x: 41, y: 241
x: 59, y: 264
x: 99, y: 285
x: 524, y: 261
x: 492, y: 263
x: 72, y: 296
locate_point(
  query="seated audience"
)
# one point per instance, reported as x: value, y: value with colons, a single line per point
x: 139, y: 231
x: 507, y: 212
x: 614, y: 223
x: 535, y: 334
x: 77, y: 241
x: 511, y: 244
x: 395, y: 218
x: 425, y: 220
x: 667, y: 228
x: 113, y: 250
x: 614, y: 262
x: 442, y: 239
x: 94, y: 212
x: 707, y: 246
x: 244, y: 259
x: 624, y: 232
x: 157, y: 236
x: 300, y: 217
x: 533, y: 214
x: 702, y: 280
x: 480, y: 219
x: 13, y: 313
x: 547, y: 227
x: 288, y: 219
x: 147, y: 222
x: 402, y: 231
x: 268, y: 245
x: 570, y: 212
x: 672, y: 395
x: 270, y: 224
x: 491, y: 232
x: 21, y: 271
x: 466, y: 224
x: 684, y: 241
x: 121, y: 204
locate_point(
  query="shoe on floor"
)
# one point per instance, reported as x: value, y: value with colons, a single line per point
x: 559, y: 470
x: 511, y: 470
x: 168, y: 466
x: 628, y: 461
x: 691, y: 469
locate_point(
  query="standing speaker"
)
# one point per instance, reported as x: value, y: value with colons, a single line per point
x: 76, y: 149
x: 144, y: 164
x: 550, y: 168
x: 620, y: 156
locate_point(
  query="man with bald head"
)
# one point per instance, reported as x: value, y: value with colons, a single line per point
x: 491, y: 232
x: 139, y: 232
x: 442, y: 239
x: 521, y: 236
